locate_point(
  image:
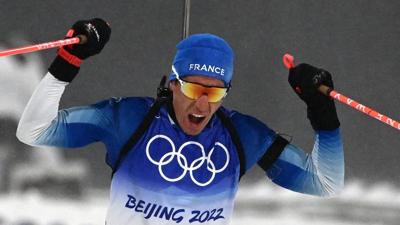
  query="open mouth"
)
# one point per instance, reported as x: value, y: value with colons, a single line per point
x: 196, y: 119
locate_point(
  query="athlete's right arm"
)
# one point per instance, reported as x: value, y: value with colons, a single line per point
x: 41, y: 122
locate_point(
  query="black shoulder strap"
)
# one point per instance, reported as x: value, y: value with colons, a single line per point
x: 163, y: 94
x: 138, y: 133
x: 273, y: 152
x: 227, y: 122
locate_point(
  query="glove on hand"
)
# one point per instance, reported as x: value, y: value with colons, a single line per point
x: 321, y: 111
x: 69, y: 58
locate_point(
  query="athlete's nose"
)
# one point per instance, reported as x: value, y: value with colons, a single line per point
x: 202, y: 103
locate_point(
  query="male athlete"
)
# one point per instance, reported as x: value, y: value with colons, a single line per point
x: 182, y: 164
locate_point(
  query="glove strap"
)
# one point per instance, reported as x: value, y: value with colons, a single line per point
x: 71, y: 59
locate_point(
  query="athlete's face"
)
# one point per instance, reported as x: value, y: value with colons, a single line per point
x: 193, y: 115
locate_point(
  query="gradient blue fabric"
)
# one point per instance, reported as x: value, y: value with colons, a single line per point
x: 170, y: 177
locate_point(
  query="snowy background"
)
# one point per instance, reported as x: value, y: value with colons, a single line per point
x: 267, y: 205
x: 356, y: 40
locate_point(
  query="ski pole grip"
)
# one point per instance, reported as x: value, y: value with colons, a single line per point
x: 325, y: 90
x: 82, y: 39
x: 288, y: 61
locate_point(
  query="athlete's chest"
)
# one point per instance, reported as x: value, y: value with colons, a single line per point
x: 166, y: 159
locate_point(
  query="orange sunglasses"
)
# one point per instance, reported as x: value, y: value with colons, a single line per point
x: 195, y: 90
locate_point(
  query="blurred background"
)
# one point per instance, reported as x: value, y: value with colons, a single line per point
x: 356, y: 40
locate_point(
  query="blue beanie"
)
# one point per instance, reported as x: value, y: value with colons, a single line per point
x: 206, y: 55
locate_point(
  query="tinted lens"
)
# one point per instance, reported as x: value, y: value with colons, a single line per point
x: 195, y: 91
x: 216, y: 94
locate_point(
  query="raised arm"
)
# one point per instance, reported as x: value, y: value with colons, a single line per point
x: 42, y: 123
x: 321, y: 172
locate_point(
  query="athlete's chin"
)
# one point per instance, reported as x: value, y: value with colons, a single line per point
x: 193, y: 132
x: 193, y: 129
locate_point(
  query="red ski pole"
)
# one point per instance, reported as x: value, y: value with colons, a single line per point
x: 80, y: 39
x: 288, y: 61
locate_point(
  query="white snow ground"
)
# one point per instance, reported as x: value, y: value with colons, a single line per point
x: 257, y: 204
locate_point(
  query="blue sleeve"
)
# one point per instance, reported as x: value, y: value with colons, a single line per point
x: 79, y: 126
x: 110, y: 121
x: 319, y: 173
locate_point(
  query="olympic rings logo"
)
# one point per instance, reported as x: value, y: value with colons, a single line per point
x: 183, y: 162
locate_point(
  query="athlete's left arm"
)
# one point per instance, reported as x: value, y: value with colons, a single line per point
x: 319, y: 173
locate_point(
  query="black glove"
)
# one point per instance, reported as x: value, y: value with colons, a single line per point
x: 321, y: 111
x: 69, y: 58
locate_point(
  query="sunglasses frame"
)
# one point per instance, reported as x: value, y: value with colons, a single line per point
x: 206, y: 86
x: 181, y: 82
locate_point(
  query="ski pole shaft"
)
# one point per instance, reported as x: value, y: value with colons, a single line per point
x: 80, y: 39
x: 186, y: 19
x: 288, y: 61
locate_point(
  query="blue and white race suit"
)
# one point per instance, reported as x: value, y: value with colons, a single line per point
x: 170, y: 177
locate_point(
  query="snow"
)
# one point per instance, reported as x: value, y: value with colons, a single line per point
x: 261, y: 203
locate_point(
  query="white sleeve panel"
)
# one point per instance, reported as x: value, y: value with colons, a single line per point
x: 41, y: 109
